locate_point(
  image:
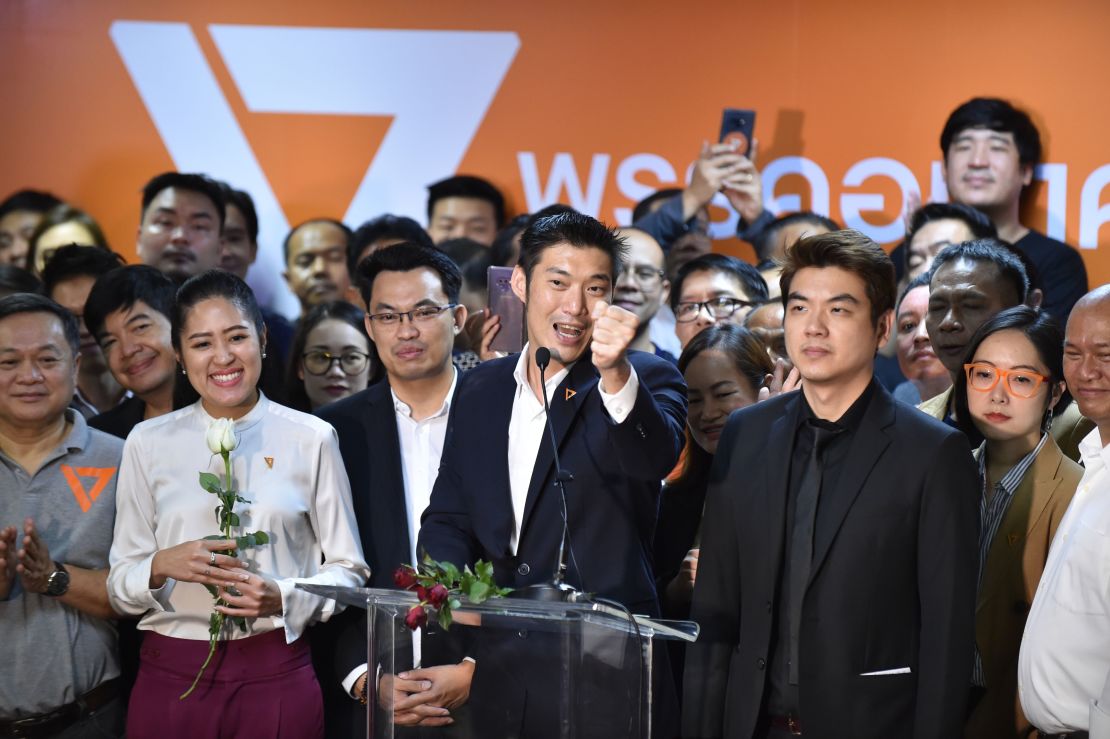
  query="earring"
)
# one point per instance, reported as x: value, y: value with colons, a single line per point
x: 263, y: 355
x: 1048, y: 421
x: 183, y: 371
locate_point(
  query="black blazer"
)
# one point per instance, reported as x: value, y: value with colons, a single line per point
x: 366, y: 425
x: 892, y: 583
x: 612, y: 501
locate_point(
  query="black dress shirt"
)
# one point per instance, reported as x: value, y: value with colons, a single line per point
x: 782, y: 697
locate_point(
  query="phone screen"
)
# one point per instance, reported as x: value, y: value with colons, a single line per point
x: 504, y: 302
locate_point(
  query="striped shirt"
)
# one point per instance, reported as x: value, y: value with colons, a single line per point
x: 991, y: 513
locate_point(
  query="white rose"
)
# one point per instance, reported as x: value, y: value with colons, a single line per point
x: 221, y: 436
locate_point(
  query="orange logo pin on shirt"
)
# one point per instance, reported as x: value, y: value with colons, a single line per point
x: 269, y: 462
x: 570, y: 394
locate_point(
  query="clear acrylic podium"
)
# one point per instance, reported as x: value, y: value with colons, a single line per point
x: 544, y: 669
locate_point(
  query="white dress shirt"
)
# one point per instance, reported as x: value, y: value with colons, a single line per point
x: 1065, y: 652
x: 421, y: 448
x: 661, y: 331
x: 527, y: 426
x: 287, y: 465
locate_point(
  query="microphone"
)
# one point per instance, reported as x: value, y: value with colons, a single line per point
x: 556, y: 589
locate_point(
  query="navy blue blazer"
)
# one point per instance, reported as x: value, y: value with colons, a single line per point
x: 612, y: 502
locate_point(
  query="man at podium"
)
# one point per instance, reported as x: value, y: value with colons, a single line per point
x: 617, y: 418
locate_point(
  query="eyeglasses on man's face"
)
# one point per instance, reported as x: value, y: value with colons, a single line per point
x: 422, y: 314
x: 645, y: 276
x: 319, y: 362
x: 717, y: 308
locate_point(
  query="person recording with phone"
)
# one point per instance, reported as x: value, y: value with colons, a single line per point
x: 618, y: 418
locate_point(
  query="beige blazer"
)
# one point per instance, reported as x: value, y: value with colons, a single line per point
x: 1013, y: 569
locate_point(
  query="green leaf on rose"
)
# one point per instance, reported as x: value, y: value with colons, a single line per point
x: 444, y: 618
x: 484, y: 570
x: 211, y: 483
x: 478, y: 593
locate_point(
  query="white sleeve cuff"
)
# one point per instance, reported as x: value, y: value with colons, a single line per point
x: 352, y: 678
x: 129, y: 592
x: 619, y: 404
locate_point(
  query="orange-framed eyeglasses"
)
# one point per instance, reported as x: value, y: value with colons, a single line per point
x: 1019, y: 383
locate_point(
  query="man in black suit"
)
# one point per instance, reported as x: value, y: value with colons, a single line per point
x: 617, y: 416
x: 391, y: 437
x: 836, y: 582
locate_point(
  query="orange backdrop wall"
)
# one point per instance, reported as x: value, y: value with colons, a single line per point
x: 348, y: 108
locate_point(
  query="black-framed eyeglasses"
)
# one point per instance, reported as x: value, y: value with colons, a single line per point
x: 421, y: 314
x: 717, y: 307
x: 319, y: 362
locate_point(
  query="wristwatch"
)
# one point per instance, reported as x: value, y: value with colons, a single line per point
x: 58, y: 582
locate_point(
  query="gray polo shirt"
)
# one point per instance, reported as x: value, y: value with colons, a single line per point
x: 50, y: 653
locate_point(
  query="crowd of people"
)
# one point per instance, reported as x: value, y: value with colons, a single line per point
x: 873, y: 480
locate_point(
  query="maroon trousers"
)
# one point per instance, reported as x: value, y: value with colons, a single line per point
x: 254, y: 688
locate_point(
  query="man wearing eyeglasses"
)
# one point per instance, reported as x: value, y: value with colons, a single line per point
x: 391, y: 436
x: 714, y: 288
x: 642, y: 287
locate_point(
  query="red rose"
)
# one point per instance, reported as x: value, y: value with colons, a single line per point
x: 437, y: 596
x: 416, y: 618
x: 404, y: 578
x: 422, y: 593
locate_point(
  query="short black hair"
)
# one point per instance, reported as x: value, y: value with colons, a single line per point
x: 645, y: 207
x: 387, y: 226
x: 331, y: 221
x: 1043, y: 332
x: 764, y: 242
x: 66, y: 213
x: 242, y: 200
x: 747, y: 275
x: 555, y: 225
x: 922, y: 280
x: 405, y: 257
x: 33, y: 303
x: 121, y: 288
x: 980, y: 225
x: 998, y: 253
x: 994, y: 114
x: 848, y: 250
x: 77, y: 261
x: 15, y: 279
x: 340, y: 310
x: 198, y: 183
x: 467, y: 186
x: 215, y: 283
x: 35, y: 201
x: 501, y: 251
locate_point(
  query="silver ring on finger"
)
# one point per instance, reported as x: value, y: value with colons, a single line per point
x: 212, y: 558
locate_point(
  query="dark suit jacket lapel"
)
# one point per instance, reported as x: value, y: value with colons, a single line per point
x: 579, y: 384
x: 387, y: 478
x: 868, y: 444
x: 497, y: 413
x: 775, y: 489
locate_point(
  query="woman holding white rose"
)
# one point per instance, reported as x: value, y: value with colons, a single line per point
x: 287, y: 471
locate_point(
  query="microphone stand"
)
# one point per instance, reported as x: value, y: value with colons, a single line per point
x: 556, y: 589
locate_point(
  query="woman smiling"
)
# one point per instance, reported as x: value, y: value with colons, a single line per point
x: 288, y: 472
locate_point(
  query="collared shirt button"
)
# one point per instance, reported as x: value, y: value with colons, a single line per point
x: 761, y: 663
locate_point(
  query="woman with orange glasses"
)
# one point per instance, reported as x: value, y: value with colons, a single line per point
x: 1012, y: 381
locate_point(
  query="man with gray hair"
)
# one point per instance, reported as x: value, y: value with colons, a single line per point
x: 59, y: 669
